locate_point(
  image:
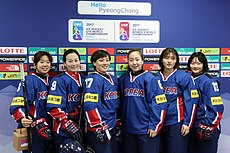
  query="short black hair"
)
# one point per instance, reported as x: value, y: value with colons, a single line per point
x: 69, y: 51
x: 39, y: 54
x: 99, y: 54
x: 201, y: 57
x: 164, y: 53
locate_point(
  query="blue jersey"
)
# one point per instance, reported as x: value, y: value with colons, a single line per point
x: 182, y: 97
x: 36, y: 95
x: 101, y: 99
x: 64, y: 98
x: 143, y: 103
x: 210, y: 105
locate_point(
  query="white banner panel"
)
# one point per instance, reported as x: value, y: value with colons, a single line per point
x: 114, y: 8
x: 127, y: 31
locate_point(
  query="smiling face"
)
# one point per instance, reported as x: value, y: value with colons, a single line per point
x: 43, y: 65
x: 169, y: 62
x: 72, y: 62
x: 102, y: 64
x: 196, y: 66
x: 135, y: 61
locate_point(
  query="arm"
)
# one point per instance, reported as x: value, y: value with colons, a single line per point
x: 158, y: 105
x: 213, y: 103
x: 191, y: 97
x: 92, y: 101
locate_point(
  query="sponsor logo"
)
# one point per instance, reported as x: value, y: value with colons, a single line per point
x: 161, y: 99
x: 225, y: 66
x: 31, y: 59
x: 183, y: 59
x: 13, y: 50
x: 109, y: 50
x: 213, y: 58
x: 225, y: 58
x: 151, y: 67
x: 11, y: 67
x: 121, y: 67
x: 118, y: 74
x: 209, y: 51
x: 125, y: 50
x: 225, y: 73
x: 183, y: 67
x: 34, y: 50
x: 81, y: 51
x: 213, y: 73
x: 12, y: 59
x: 54, y: 99
x: 187, y: 51
x: 88, y: 97
x: 214, y: 66
x: 121, y: 59
x: 17, y: 101
x: 216, y: 101
x: 225, y: 50
x: 10, y: 75
x: 151, y: 58
x: 52, y: 68
x: 152, y: 51
x: 194, y: 94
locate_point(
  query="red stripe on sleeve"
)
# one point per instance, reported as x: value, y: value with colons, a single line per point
x: 93, y: 117
x: 18, y: 114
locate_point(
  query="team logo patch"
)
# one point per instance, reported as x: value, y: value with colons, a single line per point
x: 216, y: 101
x: 18, y: 101
x: 194, y: 94
x: 161, y: 99
x: 91, y: 97
x: 54, y: 99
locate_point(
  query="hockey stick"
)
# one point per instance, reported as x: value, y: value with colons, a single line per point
x: 26, y: 105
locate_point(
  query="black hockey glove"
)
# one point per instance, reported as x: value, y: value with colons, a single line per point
x: 102, y: 133
x: 118, y: 130
x: 72, y: 129
x: 204, y: 132
x: 71, y: 146
x: 40, y: 127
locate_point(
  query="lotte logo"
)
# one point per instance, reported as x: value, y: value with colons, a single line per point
x: 13, y: 50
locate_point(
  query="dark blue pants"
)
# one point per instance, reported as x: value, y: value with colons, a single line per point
x: 140, y: 143
x: 41, y: 146
x: 197, y: 146
x: 99, y: 147
x: 171, y: 139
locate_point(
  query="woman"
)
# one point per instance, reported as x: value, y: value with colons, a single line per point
x: 36, y: 96
x: 206, y: 129
x: 182, y: 98
x: 100, y: 104
x: 143, y: 100
x: 64, y: 102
